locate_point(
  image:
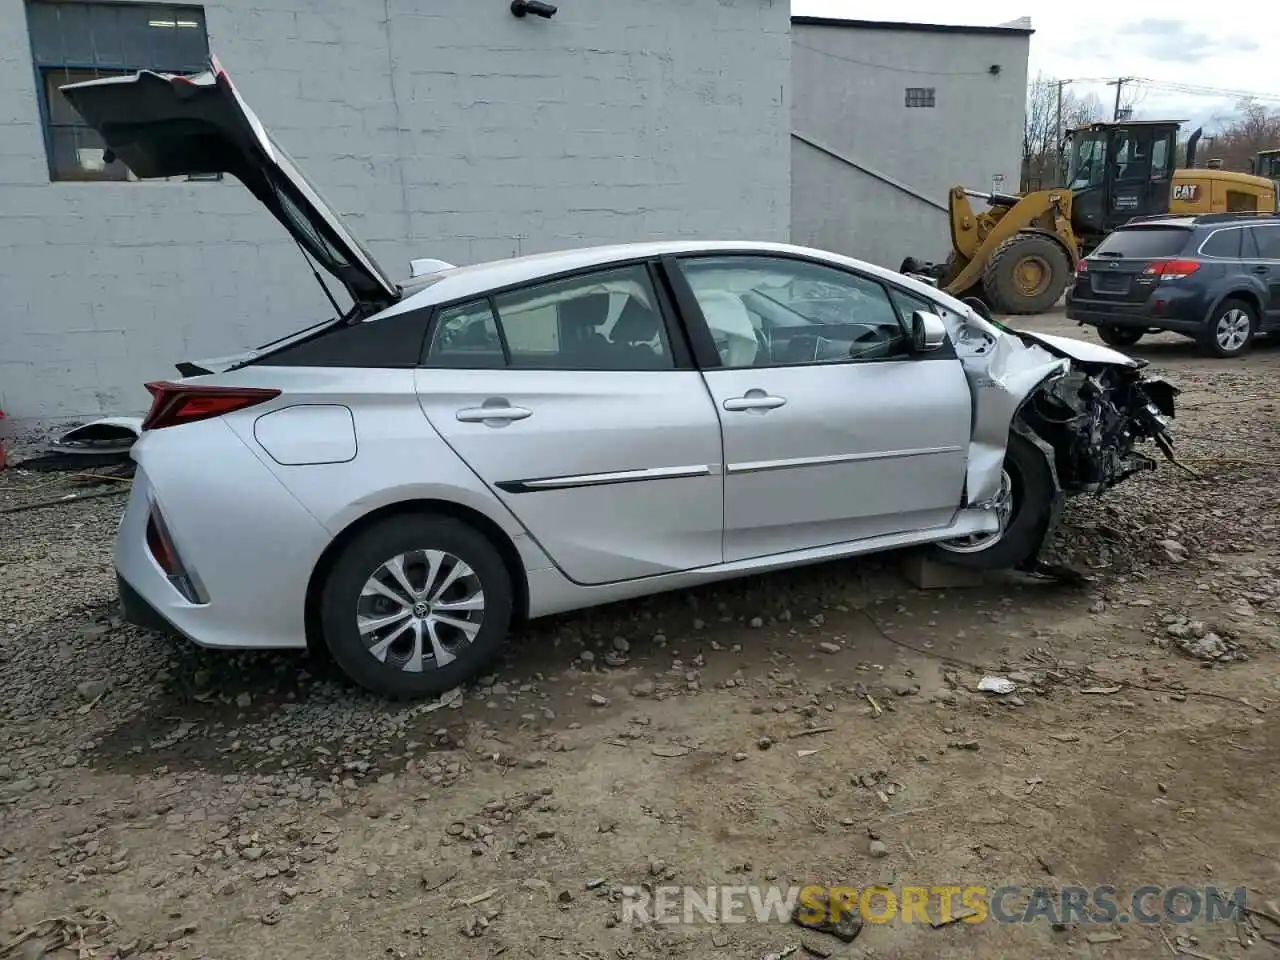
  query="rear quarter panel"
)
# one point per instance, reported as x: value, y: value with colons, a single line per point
x: 398, y: 457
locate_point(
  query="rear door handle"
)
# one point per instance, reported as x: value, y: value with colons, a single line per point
x: 754, y: 400
x: 1261, y: 268
x: 498, y: 413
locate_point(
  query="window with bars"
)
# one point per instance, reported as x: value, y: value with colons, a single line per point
x: 921, y: 96
x: 75, y: 40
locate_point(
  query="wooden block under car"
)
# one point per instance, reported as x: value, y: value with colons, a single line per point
x: 926, y: 574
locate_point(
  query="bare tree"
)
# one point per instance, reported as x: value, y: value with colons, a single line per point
x: 1253, y: 127
x: 1042, y: 132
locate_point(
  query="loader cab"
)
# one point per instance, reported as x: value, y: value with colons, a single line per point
x: 1266, y: 164
x: 1118, y: 171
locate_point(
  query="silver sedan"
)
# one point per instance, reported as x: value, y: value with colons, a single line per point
x: 476, y: 446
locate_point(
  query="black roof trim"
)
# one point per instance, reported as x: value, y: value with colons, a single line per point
x: 915, y: 27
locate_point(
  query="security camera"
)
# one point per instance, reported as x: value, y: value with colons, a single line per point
x: 537, y: 7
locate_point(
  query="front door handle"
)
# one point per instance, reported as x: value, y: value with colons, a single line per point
x: 494, y: 413
x: 754, y: 400
x: 1261, y: 268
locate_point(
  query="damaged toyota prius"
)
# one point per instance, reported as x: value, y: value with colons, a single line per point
x: 476, y: 446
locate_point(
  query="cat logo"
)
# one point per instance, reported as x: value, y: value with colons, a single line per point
x: 1186, y: 191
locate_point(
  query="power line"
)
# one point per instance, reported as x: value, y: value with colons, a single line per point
x: 894, y: 69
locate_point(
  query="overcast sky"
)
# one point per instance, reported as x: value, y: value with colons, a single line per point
x: 1100, y: 40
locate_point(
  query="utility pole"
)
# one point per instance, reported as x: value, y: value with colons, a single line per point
x: 1118, y: 83
x: 1057, y: 135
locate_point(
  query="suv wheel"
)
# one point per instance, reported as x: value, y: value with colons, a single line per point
x: 1230, y: 330
x: 1120, y: 336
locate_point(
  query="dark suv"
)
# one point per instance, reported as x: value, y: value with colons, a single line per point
x: 1214, y: 278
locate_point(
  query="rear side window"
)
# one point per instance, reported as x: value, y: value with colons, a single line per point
x: 610, y: 320
x: 1223, y: 244
x: 1143, y: 243
x: 1268, y: 241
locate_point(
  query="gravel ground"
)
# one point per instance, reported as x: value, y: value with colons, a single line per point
x: 818, y: 726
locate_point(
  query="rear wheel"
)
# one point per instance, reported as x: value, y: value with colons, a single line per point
x: 1230, y: 329
x: 1022, y: 506
x: 414, y: 606
x: 1120, y: 336
x: 1028, y: 273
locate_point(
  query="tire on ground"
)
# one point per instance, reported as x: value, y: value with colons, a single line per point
x: 999, y: 277
x: 1120, y: 336
x: 380, y: 542
x: 1033, y: 493
x: 1209, y: 340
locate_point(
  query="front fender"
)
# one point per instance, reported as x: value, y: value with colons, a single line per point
x: 1000, y: 382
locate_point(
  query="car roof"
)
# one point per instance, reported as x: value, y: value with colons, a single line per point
x: 460, y: 283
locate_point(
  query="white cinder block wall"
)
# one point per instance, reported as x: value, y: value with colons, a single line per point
x: 444, y: 128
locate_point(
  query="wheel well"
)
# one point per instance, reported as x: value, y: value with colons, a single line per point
x: 1248, y: 296
x: 444, y: 508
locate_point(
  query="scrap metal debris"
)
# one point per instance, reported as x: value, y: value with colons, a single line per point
x: 67, y: 931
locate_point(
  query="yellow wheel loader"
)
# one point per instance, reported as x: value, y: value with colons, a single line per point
x: 1019, y: 254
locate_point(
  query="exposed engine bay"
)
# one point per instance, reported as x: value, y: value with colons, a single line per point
x: 1094, y: 416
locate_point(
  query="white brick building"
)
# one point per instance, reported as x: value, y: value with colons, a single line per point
x: 445, y: 128
x: 888, y: 117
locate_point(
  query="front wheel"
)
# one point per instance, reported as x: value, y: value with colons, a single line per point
x: 1120, y: 336
x: 416, y: 605
x: 1022, y: 506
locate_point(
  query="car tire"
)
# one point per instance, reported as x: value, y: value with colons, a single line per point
x: 1230, y: 330
x: 1030, y: 487
x: 424, y: 546
x: 1027, y: 274
x: 1120, y: 336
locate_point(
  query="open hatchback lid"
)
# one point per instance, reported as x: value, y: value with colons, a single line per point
x: 166, y: 125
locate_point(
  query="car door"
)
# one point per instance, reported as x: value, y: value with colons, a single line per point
x: 1266, y: 241
x: 833, y: 432
x: 566, y: 400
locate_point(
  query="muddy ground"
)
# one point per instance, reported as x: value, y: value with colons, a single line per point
x: 821, y: 726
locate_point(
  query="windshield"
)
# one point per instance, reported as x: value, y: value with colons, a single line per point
x: 1088, y: 159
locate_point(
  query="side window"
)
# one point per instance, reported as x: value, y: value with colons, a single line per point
x: 466, y: 336
x: 767, y: 312
x: 601, y: 321
x: 1224, y: 244
x: 908, y: 304
x: 1160, y: 156
x: 1268, y: 240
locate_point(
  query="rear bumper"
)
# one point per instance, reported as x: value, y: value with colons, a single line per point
x: 136, y: 610
x: 1172, y: 309
x: 244, y: 541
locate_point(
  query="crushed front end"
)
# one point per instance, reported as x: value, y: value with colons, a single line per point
x: 1095, y: 416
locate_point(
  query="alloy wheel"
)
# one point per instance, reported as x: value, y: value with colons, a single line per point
x: 419, y: 609
x: 977, y: 542
x: 1232, y: 331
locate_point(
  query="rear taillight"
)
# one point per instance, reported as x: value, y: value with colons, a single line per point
x: 1171, y: 269
x: 173, y: 404
x: 1082, y: 266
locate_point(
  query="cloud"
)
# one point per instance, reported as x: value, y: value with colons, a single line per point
x: 1163, y: 39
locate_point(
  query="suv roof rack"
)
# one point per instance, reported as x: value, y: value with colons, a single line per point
x: 1236, y: 215
x: 1199, y: 218
x: 1156, y: 217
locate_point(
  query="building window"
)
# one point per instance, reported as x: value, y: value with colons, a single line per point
x: 920, y: 96
x: 73, y: 41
